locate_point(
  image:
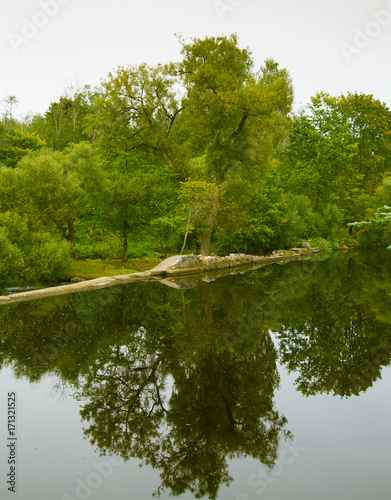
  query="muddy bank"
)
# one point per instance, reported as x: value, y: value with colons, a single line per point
x: 180, y: 271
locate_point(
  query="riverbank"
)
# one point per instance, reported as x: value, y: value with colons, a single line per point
x: 88, y: 269
x: 168, y: 272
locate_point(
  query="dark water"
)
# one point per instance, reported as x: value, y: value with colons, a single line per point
x: 274, y: 384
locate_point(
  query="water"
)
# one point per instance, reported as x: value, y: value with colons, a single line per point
x: 270, y: 385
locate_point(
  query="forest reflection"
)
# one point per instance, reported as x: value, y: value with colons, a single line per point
x: 185, y: 379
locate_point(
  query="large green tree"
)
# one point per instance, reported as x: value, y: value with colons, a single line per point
x: 135, y: 116
x: 319, y: 160
x: 52, y: 187
x: 228, y: 112
x: 137, y: 110
x: 369, y: 122
x: 339, y: 150
x: 227, y: 121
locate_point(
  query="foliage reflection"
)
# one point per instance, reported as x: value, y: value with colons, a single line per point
x: 185, y: 379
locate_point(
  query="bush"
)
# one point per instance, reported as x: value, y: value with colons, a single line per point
x: 302, y: 221
x: 363, y: 207
x: 330, y: 221
x: 371, y: 237
x: 47, y: 259
x: 323, y: 245
x: 383, y: 193
x: 11, y: 260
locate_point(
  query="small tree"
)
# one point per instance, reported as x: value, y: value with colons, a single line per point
x: 17, y: 144
x: 382, y: 217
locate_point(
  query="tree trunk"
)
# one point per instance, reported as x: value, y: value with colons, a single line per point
x: 125, y: 250
x: 187, y: 232
x: 207, y: 238
x: 71, y: 234
x: 68, y: 233
x: 125, y: 227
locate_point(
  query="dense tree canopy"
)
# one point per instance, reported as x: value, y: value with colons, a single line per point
x: 198, y: 155
x: 227, y: 116
x: 339, y: 149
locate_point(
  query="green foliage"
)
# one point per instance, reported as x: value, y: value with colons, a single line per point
x: 30, y: 252
x: 363, y: 207
x: 319, y: 159
x: 339, y: 151
x: 135, y: 118
x: 11, y: 259
x: 187, y: 217
x: 66, y: 121
x: 375, y: 233
x: 369, y: 123
x: 382, y: 217
x: 251, y: 216
x: 46, y: 259
x: 227, y: 114
x: 52, y: 187
x: 136, y: 192
x: 382, y: 195
x: 96, y: 244
x: 301, y: 218
x: 17, y: 144
x: 193, y: 156
x: 330, y: 221
x: 40, y: 199
x: 323, y: 245
x: 137, y: 108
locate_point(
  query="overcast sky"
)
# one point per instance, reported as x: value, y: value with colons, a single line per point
x: 333, y: 45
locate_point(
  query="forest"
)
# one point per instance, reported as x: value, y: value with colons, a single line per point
x: 202, y: 155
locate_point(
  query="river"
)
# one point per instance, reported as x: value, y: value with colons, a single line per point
x: 272, y: 384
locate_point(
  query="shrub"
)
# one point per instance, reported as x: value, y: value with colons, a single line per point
x: 330, y: 221
x: 301, y: 218
x: 11, y: 260
x: 47, y: 259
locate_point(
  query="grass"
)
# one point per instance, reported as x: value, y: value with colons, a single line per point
x: 97, y: 268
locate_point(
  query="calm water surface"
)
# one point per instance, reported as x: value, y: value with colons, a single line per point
x: 270, y: 385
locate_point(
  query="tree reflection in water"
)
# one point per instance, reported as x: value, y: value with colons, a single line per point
x: 185, y: 379
x: 189, y: 406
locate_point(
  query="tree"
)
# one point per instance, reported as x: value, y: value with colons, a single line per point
x: 9, y: 103
x: 52, y: 187
x: 30, y: 250
x: 17, y: 144
x: 369, y: 123
x: 339, y: 150
x: 65, y: 121
x: 228, y: 122
x: 138, y: 110
x: 135, y: 117
x: 319, y: 159
x: 136, y: 191
x: 381, y: 218
x: 186, y: 217
x: 251, y: 217
x: 227, y: 110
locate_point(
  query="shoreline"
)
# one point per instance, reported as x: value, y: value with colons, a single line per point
x: 169, y: 272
